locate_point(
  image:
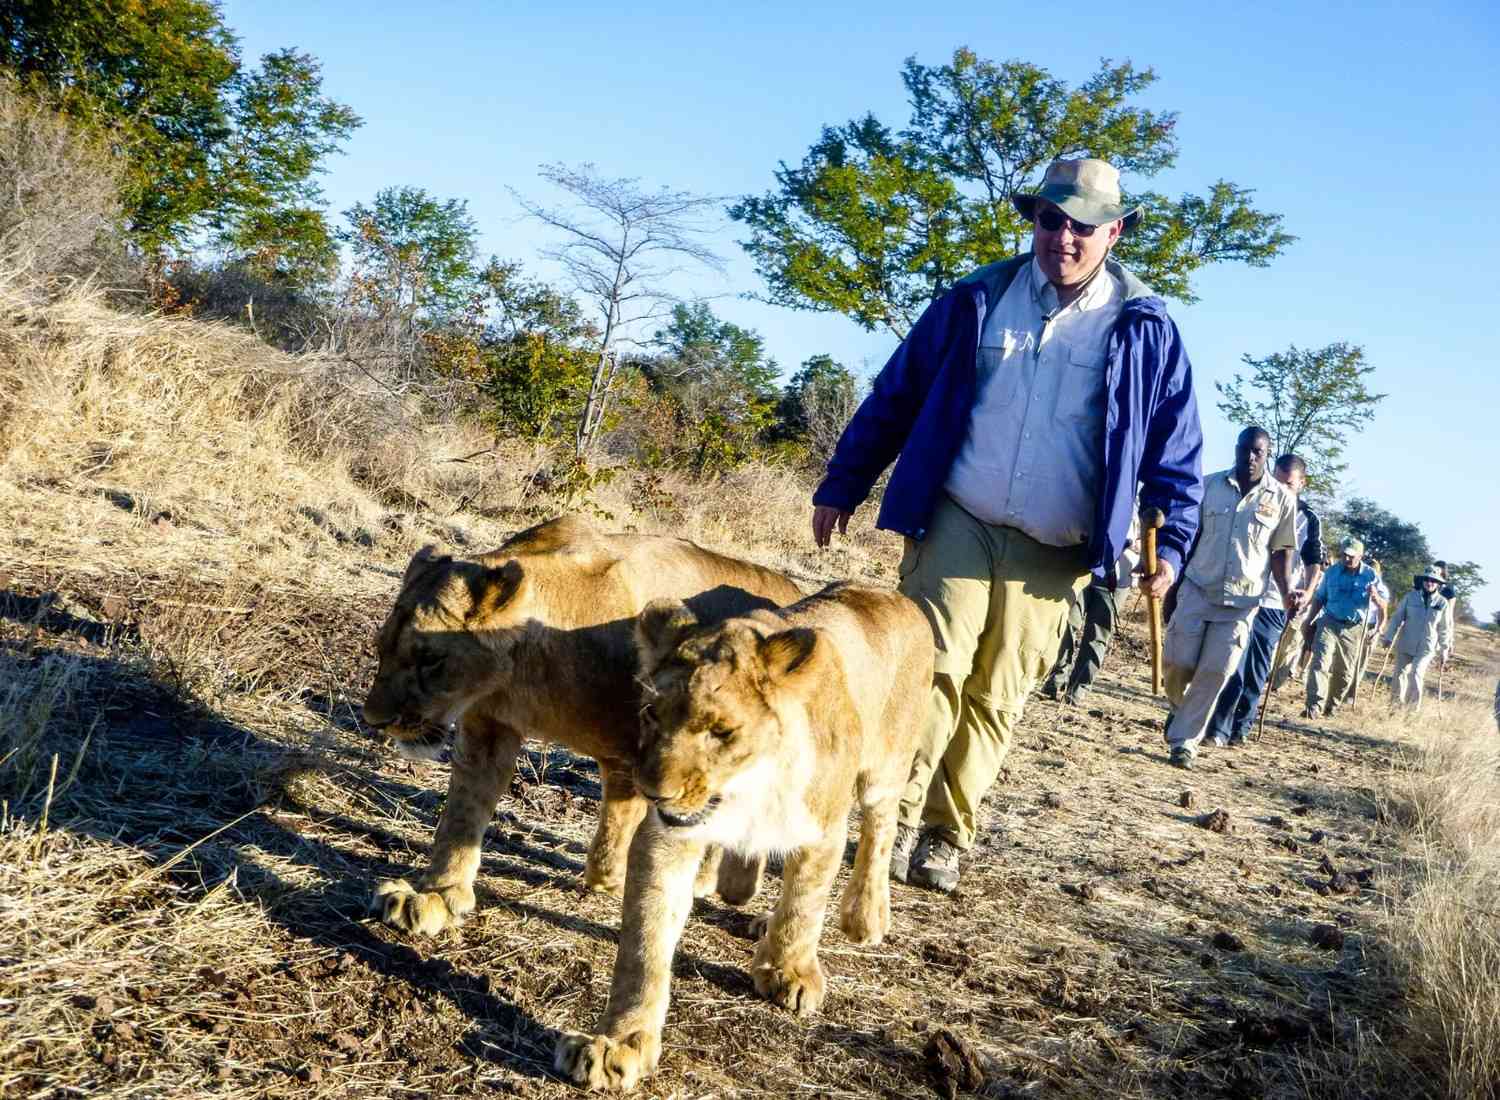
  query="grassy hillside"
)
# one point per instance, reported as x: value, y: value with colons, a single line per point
x: 203, y: 535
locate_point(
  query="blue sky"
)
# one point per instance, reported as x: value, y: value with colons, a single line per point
x: 1371, y: 127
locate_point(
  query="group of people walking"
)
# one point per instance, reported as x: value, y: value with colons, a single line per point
x: 1033, y: 412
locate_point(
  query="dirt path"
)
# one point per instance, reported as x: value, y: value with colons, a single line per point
x: 191, y: 920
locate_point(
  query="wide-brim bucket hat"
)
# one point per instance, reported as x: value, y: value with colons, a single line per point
x: 1430, y: 575
x: 1086, y: 190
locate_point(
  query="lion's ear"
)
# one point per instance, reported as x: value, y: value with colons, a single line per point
x: 424, y: 557
x: 494, y: 587
x: 660, y: 626
x: 788, y: 652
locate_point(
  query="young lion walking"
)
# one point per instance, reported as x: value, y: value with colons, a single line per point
x: 758, y: 734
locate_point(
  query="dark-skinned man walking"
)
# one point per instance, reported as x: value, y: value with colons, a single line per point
x: 1248, y: 526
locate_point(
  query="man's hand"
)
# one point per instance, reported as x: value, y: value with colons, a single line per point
x: 1292, y: 601
x: 1159, y: 583
x: 824, y: 519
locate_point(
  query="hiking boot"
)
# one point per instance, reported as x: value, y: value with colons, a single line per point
x: 1182, y: 757
x: 1236, y: 740
x: 1049, y: 690
x: 935, y: 864
x: 901, y: 851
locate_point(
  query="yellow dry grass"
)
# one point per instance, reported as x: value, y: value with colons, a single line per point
x: 204, y: 533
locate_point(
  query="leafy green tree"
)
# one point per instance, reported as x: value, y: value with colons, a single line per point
x: 875, y: 223
x: 1310, y: 402
x: 414, y: 256
x: 537, y: 356
x: 699, y: 346
x: 207, y: 145
x: 271, y: 212
x: 715, y: 387
x: 1399, y: 545
x: 1467, y: 578
x: 816, y: 404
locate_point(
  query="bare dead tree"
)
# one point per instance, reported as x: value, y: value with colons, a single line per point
x: 621, y: 243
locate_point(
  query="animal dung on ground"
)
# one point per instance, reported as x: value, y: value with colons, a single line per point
x: 1052, y: 800
x: 1215, y: 822
x: 1225, y: 940
x: 1330, y: 937
x: 954, y: 1064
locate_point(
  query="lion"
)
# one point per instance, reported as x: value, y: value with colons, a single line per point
x: 536, y: 640
x: 759, y: 734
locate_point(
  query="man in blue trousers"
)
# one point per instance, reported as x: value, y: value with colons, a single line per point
x: 1239, y: 702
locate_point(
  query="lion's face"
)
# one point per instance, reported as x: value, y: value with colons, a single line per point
x: 710, y: 720
x: 441, y: 648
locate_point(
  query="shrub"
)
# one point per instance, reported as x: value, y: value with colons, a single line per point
x: 61, y: 211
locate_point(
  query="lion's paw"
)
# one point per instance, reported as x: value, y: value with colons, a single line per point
x: 601, y: 1062
x: 417, y: 912
x: 614, y: 886
x: 866, y: 924
x: 706, y: 882
x: 798, y: 988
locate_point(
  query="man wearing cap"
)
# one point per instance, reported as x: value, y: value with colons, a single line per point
x: 1234, y: 713
x: 1248, y: 529
x: 1023, y: 410
x: 1343, y: 599
x: 1421, y: 628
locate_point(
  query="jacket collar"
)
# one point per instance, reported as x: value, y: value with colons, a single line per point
x: 995, y: 277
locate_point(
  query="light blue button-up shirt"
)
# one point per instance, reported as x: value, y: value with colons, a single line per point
x: 1032, y: 454
x: 1345, y: 594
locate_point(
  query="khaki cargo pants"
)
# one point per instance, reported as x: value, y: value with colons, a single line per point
x: 997, y: 601
x: 1406, y: 679
x: 1201, y: 652
x: 1331, y: 670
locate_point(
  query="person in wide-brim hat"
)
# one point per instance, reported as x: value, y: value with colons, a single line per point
x: 1086, y: 190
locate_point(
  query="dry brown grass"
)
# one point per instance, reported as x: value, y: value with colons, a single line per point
x: 192, y: 817
x: 1444, y: 789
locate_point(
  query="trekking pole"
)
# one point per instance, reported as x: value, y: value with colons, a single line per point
x: 1276, y: 660
x: 1359, y: 665
x: 1442, y: 668
x: 1385, y: 663
x: 1151, y: 519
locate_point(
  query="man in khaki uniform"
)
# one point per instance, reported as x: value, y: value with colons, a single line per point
x: 1421, y: 629
x: 1343, y: 602
x: 1024, y: 410
x: 1249, y: 523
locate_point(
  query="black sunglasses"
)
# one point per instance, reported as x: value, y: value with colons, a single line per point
x: 1053, y: 220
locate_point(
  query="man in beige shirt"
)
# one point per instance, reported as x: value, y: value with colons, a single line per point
x: 1249, y: 520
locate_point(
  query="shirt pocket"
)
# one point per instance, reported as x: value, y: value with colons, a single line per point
x: 1080, y: 389
x: 1259, y: 530
x: 999, y: 372
x: 1212, y: 523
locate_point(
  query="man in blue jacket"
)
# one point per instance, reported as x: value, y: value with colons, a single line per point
x: 1023, y: 411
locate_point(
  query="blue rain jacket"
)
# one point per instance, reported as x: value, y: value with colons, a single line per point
x: 917, y: 414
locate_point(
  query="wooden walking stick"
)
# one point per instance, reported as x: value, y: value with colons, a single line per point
x: 1383, y: 664
x: 1277, y: 658
x: 1151, y: 519
x: 1365, y: 645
